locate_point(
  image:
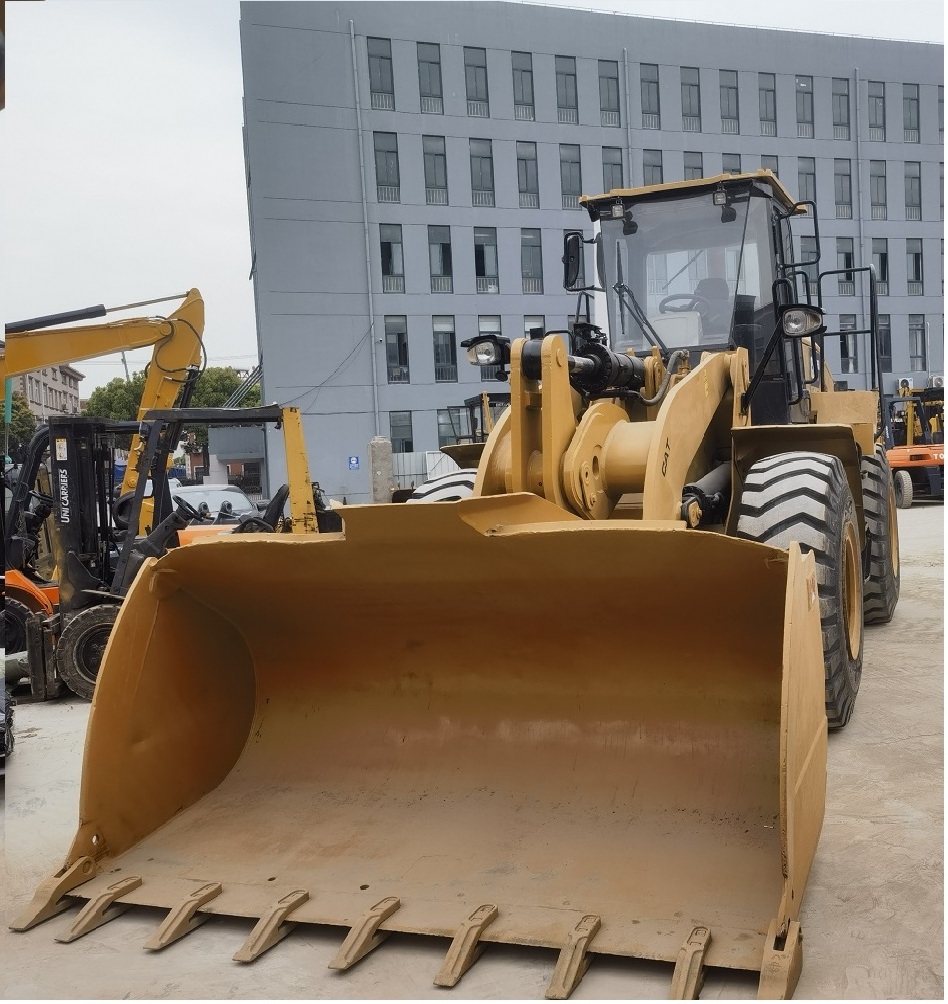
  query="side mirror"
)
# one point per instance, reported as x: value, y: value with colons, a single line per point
x: 572, y: 258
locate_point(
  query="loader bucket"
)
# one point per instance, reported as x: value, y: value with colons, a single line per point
x: 484, y: 721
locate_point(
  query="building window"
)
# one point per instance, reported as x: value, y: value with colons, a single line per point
x: 439, y: 260
x: 566, y: 107
x: 809, y: 262
x: 804, y: 107
x: 527, y: 179
x: 690, y: 99
x: 453, y: 426
x: 844, y: 259
x: 941, y: 112
x: 396, y: 348
x: 652, y: 167
x: 806, y: 179
x: 913, y: 266
x: 880, y: 262
x: 731, y: 163
x: 485, y: 260
x: 769, y: 163
x: 489, y: 325
x: 840, y: 108
x: 651, y: 108
x: 913, y: 190
x: 475, y: 81
x: 532, y: 322
x: 581, y: 274
x: 531, y: 261
x: 611, y: 168
x: 571, y: 179
x: 910, y: 112
x: 843, y: 186
x: 381, y: 85
x: 429, y: 78
x: 523, y: 86
x: 876, y: 110
x: 885, y: 343
x: 445, y: 349
x: 482, y: 172
x: 609, y: 92
x: 694, y: 166
x: 767, y: 99
x: 730, y: 117
x: 386, y: 167
x: 393, y: 268
x: 436, y: 170
x: 877, y: 199
x: 400, y: 428
x: 848, y: 349
x: 918, y: 357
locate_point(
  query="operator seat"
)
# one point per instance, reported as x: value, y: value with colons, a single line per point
x: 717, y: 319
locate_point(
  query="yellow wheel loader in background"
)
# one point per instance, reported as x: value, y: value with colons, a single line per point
x: 665, y: 553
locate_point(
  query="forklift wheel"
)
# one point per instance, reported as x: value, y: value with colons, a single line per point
x: 81, y: 646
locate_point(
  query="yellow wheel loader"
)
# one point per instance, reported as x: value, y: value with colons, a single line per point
x: 664, y: 560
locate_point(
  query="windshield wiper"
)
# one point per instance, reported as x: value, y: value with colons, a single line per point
x: 627, y: 299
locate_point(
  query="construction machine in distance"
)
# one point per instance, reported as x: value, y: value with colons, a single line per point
x: 628, y: 756
x: 916, y: 452
x: 177, y: 360
x: 97, y: 561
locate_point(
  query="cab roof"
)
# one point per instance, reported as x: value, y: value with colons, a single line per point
x: 783, y: 198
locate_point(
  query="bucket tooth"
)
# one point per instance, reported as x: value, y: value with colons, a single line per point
x: 50, y: 900
x: 272, y: 927
x: 689, y: 968
x: 573, y: 961
x: 182, y: 920
x: 364, y: 937
x: 782, y: 962
x: 102, y: 908
x: 465, y: 948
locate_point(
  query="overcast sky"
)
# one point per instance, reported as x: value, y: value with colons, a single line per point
x: 123, y: 160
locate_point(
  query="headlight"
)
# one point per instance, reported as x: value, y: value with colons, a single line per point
x: 799, y: 322
x: 486, y: 353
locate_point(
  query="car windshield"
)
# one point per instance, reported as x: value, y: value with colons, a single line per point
x: 214, y: 496
x: 686, y: 272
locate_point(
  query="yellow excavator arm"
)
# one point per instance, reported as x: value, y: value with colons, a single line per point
x: 177, y: 349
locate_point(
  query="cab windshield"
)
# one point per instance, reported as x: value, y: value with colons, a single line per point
x: 689, y: 273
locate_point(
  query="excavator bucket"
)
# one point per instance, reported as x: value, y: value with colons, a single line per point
x: 484, y: 721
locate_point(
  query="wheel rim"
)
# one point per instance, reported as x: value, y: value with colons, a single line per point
x: 89, y: 651
x: 893, y: 532
x: 852, y: 600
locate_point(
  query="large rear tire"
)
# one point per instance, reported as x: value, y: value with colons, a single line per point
x: 805, y: 497
x: 881, y: 588
x: 447, y: 488
x: 904, y: 491
x: 81, y: 646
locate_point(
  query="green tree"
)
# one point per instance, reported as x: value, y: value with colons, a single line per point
x: 21, y: 429
x: 118, y: 399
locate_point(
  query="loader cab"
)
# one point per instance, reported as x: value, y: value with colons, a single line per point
x: 709, y: 265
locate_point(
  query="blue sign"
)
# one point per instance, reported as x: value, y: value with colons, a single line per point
x: 353, y: 463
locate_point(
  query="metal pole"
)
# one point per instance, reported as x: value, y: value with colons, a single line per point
x: 365, y: 231
x: 859, y: 220
x: 628, y: 112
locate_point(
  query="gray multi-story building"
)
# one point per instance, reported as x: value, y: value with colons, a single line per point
x: 412, y: 168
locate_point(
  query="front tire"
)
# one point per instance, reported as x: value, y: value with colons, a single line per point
x: 805, y: 497
x: 81, y: 646
x: 16, y: 614
x: 904, y: 490
x: 881, y: 588
x: 447, y: 488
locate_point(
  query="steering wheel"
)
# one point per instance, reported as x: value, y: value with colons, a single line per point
x: 44, y: 499
x: 695, y: 302
x: 189, y: 509
x: 253, y: 524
